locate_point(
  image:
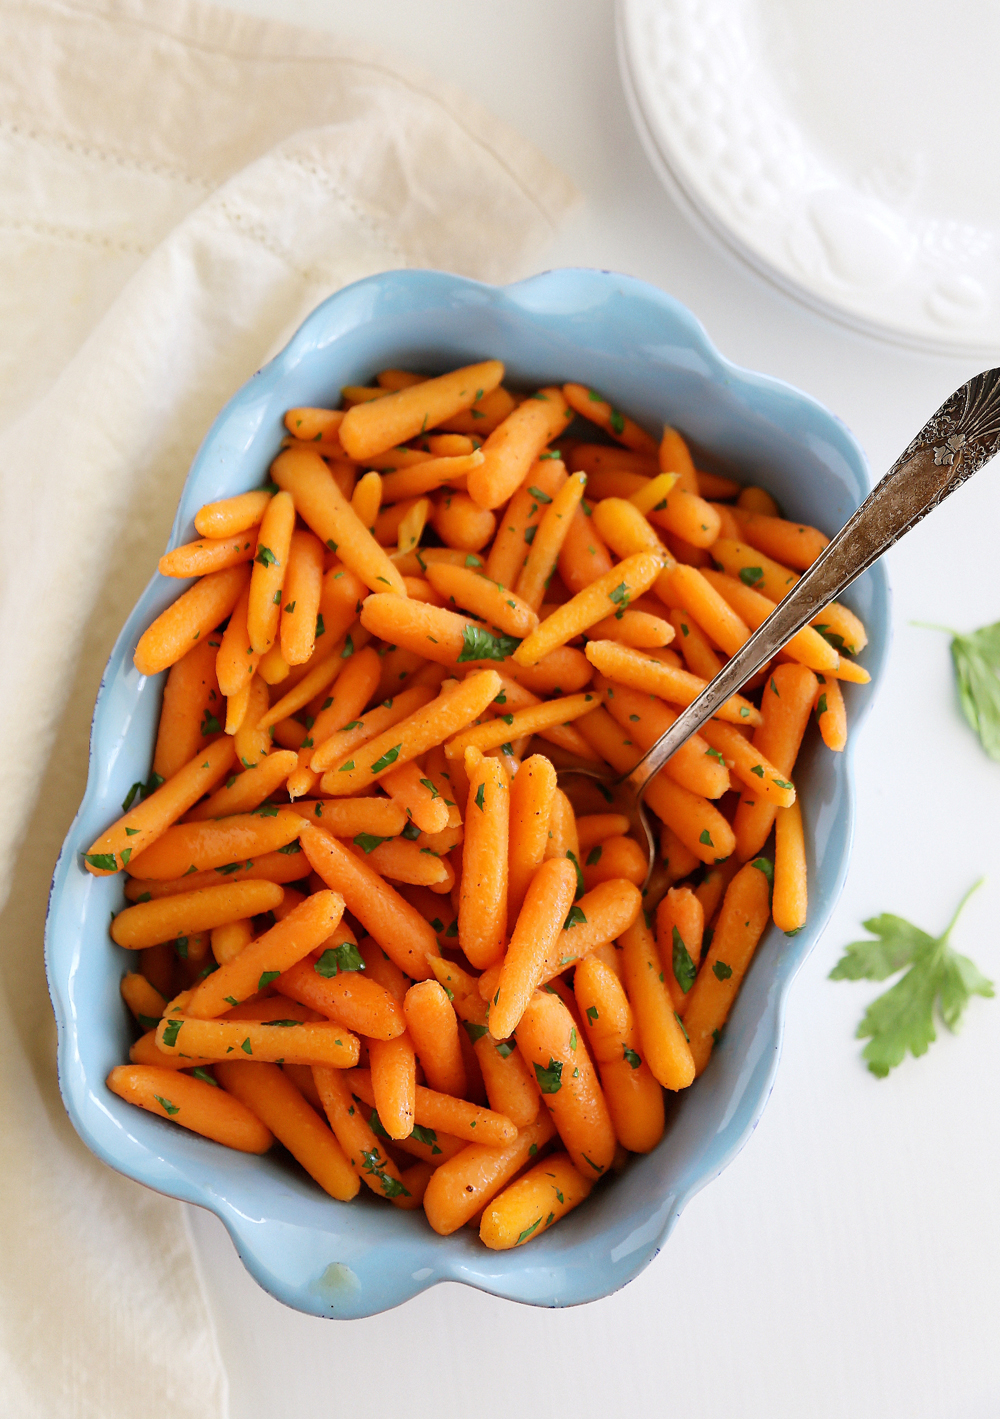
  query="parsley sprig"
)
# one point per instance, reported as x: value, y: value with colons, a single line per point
x: 903, y: 1017
x: 976, y: 658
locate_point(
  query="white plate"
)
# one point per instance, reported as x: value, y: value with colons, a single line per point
x: 849, y: 152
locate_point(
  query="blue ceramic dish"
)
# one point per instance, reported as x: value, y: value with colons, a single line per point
x: 651, y: 357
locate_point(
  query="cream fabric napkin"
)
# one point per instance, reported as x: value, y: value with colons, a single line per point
x: 179, y: 187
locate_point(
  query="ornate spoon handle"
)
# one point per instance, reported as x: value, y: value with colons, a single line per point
x: 953, y: 444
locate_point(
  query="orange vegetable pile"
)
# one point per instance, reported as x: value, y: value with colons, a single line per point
x: 366, y: 920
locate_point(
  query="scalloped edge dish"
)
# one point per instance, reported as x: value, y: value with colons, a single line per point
x: 650, y: 355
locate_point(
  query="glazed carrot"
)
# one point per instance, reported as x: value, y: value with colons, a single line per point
x: 193, y: 1104
x: 539, y: 923
x: 562, y: 838
x: 272, y: 1008
x: 394, y: 1083
x: 409, y: 531
x: 319, y: 678
x: 321, y: 504
x: 698, y: 655
x: 531, y: 805
x: 186, y: 913
x: 463, y: 1185
x: 340, y: 745
x: 195, y: 613
x: 786, y: 703
x: 680, y: 924
x: 712, y: 888
x: 367, y: 498
x: 850, y: 671
x: 645, y: 719
x: 610, y: 593
x: 384, y: 971
x: 533, y: 1203
x: 433, y: 1028
x: 347, y: 817
x: 269, y: 867
x: 644, y: 672
x: 714, y: 486
x: 614, y: 858
x: 215, y: 843
x: 514, y: 445
x: 754, y: 499
x: 627, y: 531
x: 753, y: 609
x: 142, y: 825
x: 444, y: 1114
x: 482, y: 910
x: 483, y: 598
x: 314, y: 423
x: 749, y: 764
x: 347, y: 995
x: 635, y: 628
x: 790, y: 889
x: 144, y: 1000
x: 673, y: 456
x: 664, y: 1046
x: 237, y: 660
x: 462, y: 523
x: 244, y: 792
x: 602, y: 915
x: 595, y: 827
x: 742, y: 920
x: 484, y: 416
x: 414, y: 735
x: 710, y: 609
x: 232, y: 515
x: 492, y: 733
x: 752, y: 567
x: 263, y: 960
x: 404, y: 861
x: 427, y: 476
x: 405, y: 413
x: 363, y: 1150
x: 192, y: 707
x: 547, y: 544
x: 583, y: 556
x: 416, y: 796
x: 519, y: 524
x: 229, y: 940
x: 549, y: 1040
x: 397, y: 927
x: 598, y: 410
x: 144, y: 1051
x: 211, y: 554
x: 274, y: 1099
x: 634, y: 1098
x: 831, y: 714
x: 596, y: 459
x: 678, y: 860
x: 300, y: 600
x: 273, y: 1042
x: 252, y: 743
x: 790, y: 543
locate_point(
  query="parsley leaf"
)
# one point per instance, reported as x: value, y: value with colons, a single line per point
x: 633, y: 1059
x: 345, y: 957
x: 537, y: 493
x: 266, y: 557
x: 592, y: 1014
x: 594, y: 856
x: 902, y: 1018
x: 167, y: 1105
x: 481, y: 797
x: 266, y: 977
x: 479, y: 644
x: 368, y: 841
x: 475, y: 1032
x: 751, y: 576
x: 550, y: 1078
x: 575, y: 918
x: 685, y: 969
x: 389, y: 757
x: 976, y: 658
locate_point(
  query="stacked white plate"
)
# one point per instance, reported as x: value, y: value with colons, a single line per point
x: 850, y: 152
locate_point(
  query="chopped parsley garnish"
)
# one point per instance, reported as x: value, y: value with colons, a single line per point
x: 266, y: 558
x: 592, y: 1014
x: 550, y: 1077
x: 594, y: 856
x: 389, y: 757
x: 368, y: 841
x: 167, y: 1105
x: 481, y: 797
x: 335, y: 959
x: 575, y: 918
x: 631, y: 1057
x: 721, y: 971
x: 684, y: 967
x: 480, y: 644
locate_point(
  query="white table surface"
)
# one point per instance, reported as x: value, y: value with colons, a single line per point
x: 848, y: 1262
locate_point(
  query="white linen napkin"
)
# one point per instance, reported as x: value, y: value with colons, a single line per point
x: 180, y: 186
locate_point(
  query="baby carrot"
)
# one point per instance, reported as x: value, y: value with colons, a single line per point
x: 405, y: 413
x: 301, y: 593
x: 533, y: 1203
x: 186, y: 913
x: 367, y: 498
x: 710, y: 609
x: 445, y: 1114
x: 807, y: 645
x: 323, y: 671
x: 646, y: 718
x: 635, y: 628
x: 598, y: 410
x: 269, y: 867
x: 252, y: 743
x: 192, y: 706
x: 593, y: 828
x: 404, y: 861
x: 680, y: 924
x: 698, y: 655
x: 363, y: 1150
x: 678, y: 687
x: 428, y: 476
x: 338, y: 746
x: 742, y: 920
x: 852, y: 672
x: 627, y: 531
x: 754, y: 499
x: 583, y: 556
x: 433, y: 1028
x: 213, y: 844
x: 276, y: 1101
x: 463, y: 1185
x: 678, y: 860
x: 539, y: 923
x: 601, y: 914
x: 664, y: 1046
x: 346, y: 995
x: 232, y: 515
x: 412, y: 737
x: 531, y: 796
x: 688, y: 516
x: 483, y: 598
x: 462, y: 523
x: 237, y: 660
x: 271, y: 1041
x: 830, y: 713
x: 314, y: 423
x: 786, y: 704
x: 193, y: 1104
x: 562, y: 840
x: 674, y: 456
x: 790, y: 891
x: 347, y: 817
x: 484, y: 416
x: 145, y: 1051
x: 549, y: 1040
x: 244, y: 792
x: 397, y: 927
x: 263, y: 960
x: 482, y: 910
x: 514, y: 445
x: 634, y: 1098
x: 597, y: 458
x: 749, y: 764
x: 610, y: 593
x: 791, y: 543
x: 143, y: 999
x: 416, y: 796
x: 615, y: 857
x: 229, y: 940
x: 211, y: 554
x: 547, y: 544
x: 394, y: 1083
x: 519, y: 524
x: 509, y: 727
x: 142, y: 825
x: 321, y: 504
x: 195, y: 613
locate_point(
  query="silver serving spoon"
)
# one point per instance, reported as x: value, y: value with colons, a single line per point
x: 953, y: 444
